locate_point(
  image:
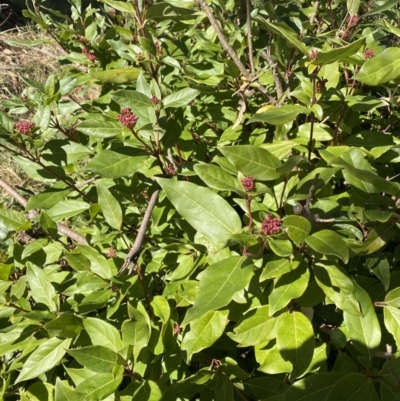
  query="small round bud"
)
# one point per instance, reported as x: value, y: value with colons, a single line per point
x: 248, y: 184
x: 271, y: 225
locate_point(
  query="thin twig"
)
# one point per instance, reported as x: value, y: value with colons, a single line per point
x: 278, y: 85
x: 314, y: 14
x: 137, y: 245
x: 249, y: 37
x: 61, y: 228
x: 228, y: 48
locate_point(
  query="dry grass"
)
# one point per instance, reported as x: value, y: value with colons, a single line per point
x: 33, y: 62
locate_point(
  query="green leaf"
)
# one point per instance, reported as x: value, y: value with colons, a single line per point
x: 388, y: 5
x: 279, y: 115
x: 328, y: 242
x: 149, y: 391
x: 353, y: 7
x: 313, y: 387
x: 67, y: 209
x: 66, y: 325
x: 321, y: 132
x: 392, y: 322
x: 224, y: 388
x: 354, y: 387
x: 42, y: 290
x: 364, y: 330
x: 298, y: 228
x: 117, y: 164
x: 117, y: 75
x: 45, y: 357
x: 180, y: 98
x: 99, y: 264
x: 271, y: 360
x: 34, y: 247
x: 77, y: 261
x: 14, y: 221
x: 287, y: 33
x: 253, y: 161
x: 100, y: 129
x: 218, y: 284
x: 295, y: 341
x: 161, y: 308
x: 96, y: 358
x: 216, y: 177
x: 64, y: 392
x: 254, y: 328
x: 47, y: 223
x: 103, y: 333
x: 280, y: 247
x: 109, y: 206
x: 164, y: 11
x: 100, y: 386
x: 46, y: 199
x: 136, y: 332
x: 340, y: 53
x: 337, y: 286
x: 380, y: 69
x: 287, y: 287
x: 121, y: 6
x: 278, y: 266
x: 203, y: 209
x: 393, y: 298
x: 204, y: 332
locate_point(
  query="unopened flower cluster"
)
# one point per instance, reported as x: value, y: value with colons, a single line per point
x: 271, y: 225
x: 154, y: 99
x: 127, y: 118
x: 24, y: 127
x: 368, y: 54
x: 248, y: 184
x: 92, y: 57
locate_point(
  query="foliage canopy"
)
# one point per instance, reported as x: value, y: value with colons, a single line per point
x: 221, y: 221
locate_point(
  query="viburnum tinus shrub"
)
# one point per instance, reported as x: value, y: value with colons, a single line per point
x: 220, y: 222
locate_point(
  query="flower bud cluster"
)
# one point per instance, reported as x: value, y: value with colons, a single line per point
x: 271, y: 225
x: 159, y: 49
x: 352, y: 20
x: 127, y: 118
x: 24, y: 127
x: 248, y: 184
x: 313, y: 54
x: 154, y: 99
x: 89, y: 54
x: 368, y: 54
x: 171, y: 170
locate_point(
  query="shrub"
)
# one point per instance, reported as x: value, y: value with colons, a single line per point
x: 220, y: 223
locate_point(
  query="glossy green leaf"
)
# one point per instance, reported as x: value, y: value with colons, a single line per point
x: 388, y: 5
x: 277, y: 267
x: 340, y: 53
x: 109, y: 206
x: 111, y: 164
x: 364, y: 330
x: 98, y: 263
x: 204, y: 210
x: 353, y: 6
x: 165, y: 11
x: 280, y: 247
x: 298, y: 228
x: 67, y: 209
x: 181, y: 98
x: 295, y: 341
x: 44, y: 358
x: 218, y: 284
x: 337, y: 286
x: 14, y: 221
x: 253, y: 161
x: 100, y: 386
x: 353, y: 386
x: 287, y: 287
x: 136, y: 332
x: 149, y: 390
x: 204, y: 332
x: 47, y: 223
x: 392, y: 322
x: 224, y: 389
x: 328, y: 242
x: 100, y: 129
x: 216, y: 177
x: 117, y: 75
x: 96, y: 358
x: 42, y: 290
x: 34, y: 247
x: 255, y: 327
x: 279, y: 115
x: 270, y: 360
x: 66, y: 325
x: 103, y: 333
x: 46, y: 199
x: 64, y: 392
x: 380, y: 69
x: 313, y: 387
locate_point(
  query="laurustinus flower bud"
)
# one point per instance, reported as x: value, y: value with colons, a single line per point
x: 271, y: 225
x: 127, y: 118
x: 154, y: 99
x: 248, y: 184
x: 24, y: 127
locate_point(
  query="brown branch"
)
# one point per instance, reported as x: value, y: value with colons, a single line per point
x: 137, y: 245
x: 249, y: 37
x: 61, y: 228
x: 228, y: 48
x: 278, y: 85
